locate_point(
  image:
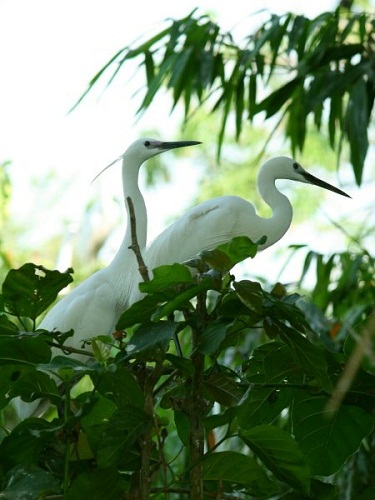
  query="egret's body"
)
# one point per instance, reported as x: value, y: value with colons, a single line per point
x: 94, y: 306
x: 218, y: 220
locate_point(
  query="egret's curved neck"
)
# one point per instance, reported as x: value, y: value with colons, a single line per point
x: 132, y: 191
x: 279, y: 222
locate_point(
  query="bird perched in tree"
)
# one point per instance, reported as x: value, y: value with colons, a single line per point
x: 220, y: 219
x: 94, y: 306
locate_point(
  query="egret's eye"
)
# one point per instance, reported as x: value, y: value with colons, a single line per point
x: 147, y: 144
x: 296, y: 166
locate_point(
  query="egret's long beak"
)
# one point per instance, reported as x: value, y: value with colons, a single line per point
x: 178, y: 144
x: 311, y: 179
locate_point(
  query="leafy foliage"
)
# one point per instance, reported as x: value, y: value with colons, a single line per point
x: 303, y: 72
x: 253, y: 381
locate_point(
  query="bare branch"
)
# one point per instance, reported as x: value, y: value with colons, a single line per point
x: 135, y: 245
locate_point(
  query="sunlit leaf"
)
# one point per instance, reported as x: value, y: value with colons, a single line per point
x: 29, y: 290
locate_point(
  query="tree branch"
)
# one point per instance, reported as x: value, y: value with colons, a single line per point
x: 135, y: 245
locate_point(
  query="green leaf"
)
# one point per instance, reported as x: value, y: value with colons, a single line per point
x: 356, y: 126
x: 222, y: 389
x: 185, y: 365
x: 97, y: 485
x: 166, y: 277
x: 26, y: 442
x: 182, y: 423
x: 34, y: 385
x: 251, y: 294
x: 276, y: 100
x: 139, y: 312
x: 120, y: 435
x: 226, y: 256
x: 6, y: 326
x: 262, y: 405
x: 66, y: 368
x: 19, y: 349
x: 181, y: 300
x: 211, y: 338
x: 119, y: 386
x: 152, y: 339
x: 307, y: 355
x: 29, y: 290
x: 272, y: 363
x: 280, y: 453
x: 328, y: 440
x: 28, y: 482
x: 237, y: 468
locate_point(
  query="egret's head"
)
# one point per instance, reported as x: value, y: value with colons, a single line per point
x: 145, y: 148
x: 283, y: 167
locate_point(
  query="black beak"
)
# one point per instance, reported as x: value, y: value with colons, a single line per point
x: 318, y: 182
x: 178, y: 144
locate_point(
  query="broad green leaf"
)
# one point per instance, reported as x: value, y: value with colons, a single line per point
x: 28, y: 482
x: 328, y: 440
x: 119, y: 386
x: 25, y: 443
x: 182, y: 423
x: 222, y: 389
x: 262, y: 405
x: 182, y: 300
x: 211, y: 338
x: 6, y: 326
x: 226, y: 256
x: 152, y: 339
x: 23, y: 350
x: 139, y: 312
x: 308, y: 356
x: 251, y: 294
x: 35, y: 384
x: 238, y: 468
x: 66, y: 368
x: 29, y: 290
x: 97, y: 485
x: 120, y: 435
x: 167, y: 276
x: 280, y: 453
x: 272, y: 363
x: 185, y: 365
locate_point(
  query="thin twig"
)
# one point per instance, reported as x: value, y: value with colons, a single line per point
x: 135, y: 245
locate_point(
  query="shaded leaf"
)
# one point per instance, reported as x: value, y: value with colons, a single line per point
x: 328, y: 440
x: 280, y: 453
x: 120, y: 435
x: 152, y: 339
x: 97, y: 484
x: 237, y: 468
x: 308, y: 356
x: 211, y: 338
x: 28, y: 482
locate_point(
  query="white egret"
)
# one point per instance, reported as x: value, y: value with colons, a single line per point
x: 220, y: 219
x: 94, y: 306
